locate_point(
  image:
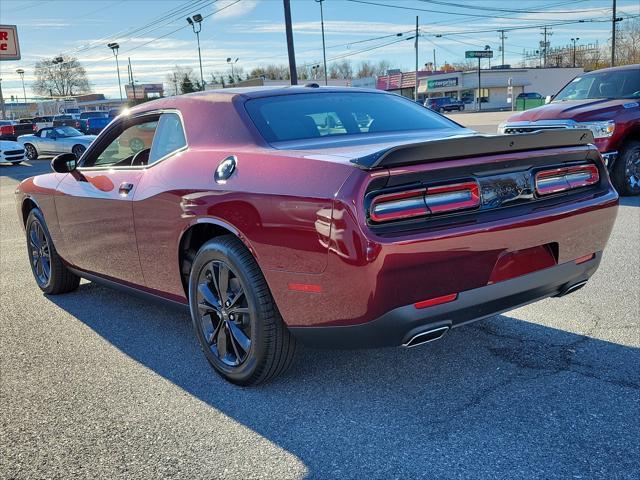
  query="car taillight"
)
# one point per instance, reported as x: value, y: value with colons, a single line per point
x: 7, y: 130
x: 568, y: 178
x: 423, y: 202
x: 35, y: 127
x: 449, y: 198
x: 396, y: 206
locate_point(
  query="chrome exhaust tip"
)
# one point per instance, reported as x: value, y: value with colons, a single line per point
x: 426, y: 337
x: 572, y: 288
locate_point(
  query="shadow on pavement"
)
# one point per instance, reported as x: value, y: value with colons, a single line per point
x: 630, y: 201
x: 502, y: 398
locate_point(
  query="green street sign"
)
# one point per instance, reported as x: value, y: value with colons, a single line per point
x: 478, y: 54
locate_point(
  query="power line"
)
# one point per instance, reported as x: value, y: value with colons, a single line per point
x: 515, y: 10
x: 475, y: 15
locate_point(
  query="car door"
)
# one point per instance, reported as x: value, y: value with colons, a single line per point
x: 45, y: 142
x: 94, y: 205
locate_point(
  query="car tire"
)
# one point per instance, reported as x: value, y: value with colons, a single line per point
x: 626, y: 170
x: 238, y: 327
x: 461, y: 109
x: 78, y: 150
x: 16, y: 163
x: 51, y: 274
x: 30, y: 150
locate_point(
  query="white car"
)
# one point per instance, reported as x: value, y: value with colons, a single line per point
x: 11, y: 152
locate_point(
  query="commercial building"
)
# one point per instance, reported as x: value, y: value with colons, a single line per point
x: 494, y: 84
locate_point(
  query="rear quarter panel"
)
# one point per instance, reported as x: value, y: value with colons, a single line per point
x: 278, y: 205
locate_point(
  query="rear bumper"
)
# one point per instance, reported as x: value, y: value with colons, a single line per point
x: 399, y: 325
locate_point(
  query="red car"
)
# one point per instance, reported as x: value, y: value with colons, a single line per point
x: 273, y: 228
x: 607, y: 102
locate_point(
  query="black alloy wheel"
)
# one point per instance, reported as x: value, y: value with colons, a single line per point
x: 50, y: 272
x: 39, y: 254
x: 225, y: 314
x: 234, y: 316
x: 626, y: 169
x: 32, y: 153
x: 78, y: 150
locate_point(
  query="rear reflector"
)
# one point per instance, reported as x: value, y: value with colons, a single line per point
x: 563, y: 179
x: 586, y: 258
x: 436, y: 301
x: 425, y: 201
x: 305, y: 287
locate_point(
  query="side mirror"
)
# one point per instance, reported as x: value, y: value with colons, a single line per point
x: 64, y: 163
x: 548, y: 99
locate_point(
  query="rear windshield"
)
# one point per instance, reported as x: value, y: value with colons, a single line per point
x: 314, y: 115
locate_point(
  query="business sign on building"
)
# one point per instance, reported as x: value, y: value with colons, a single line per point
x: 442, y: 83
x: 478, y: 54
x: 9, y: 45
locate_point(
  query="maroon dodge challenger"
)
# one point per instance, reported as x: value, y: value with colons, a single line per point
x: 339, y: 217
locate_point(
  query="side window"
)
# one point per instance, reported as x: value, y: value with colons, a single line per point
x: 44, y: 133
x: 169, y: 137
x: 122, y: 149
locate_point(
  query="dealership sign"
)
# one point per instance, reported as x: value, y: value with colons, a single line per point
x: 442, y: 83
x: 478, y: 54
x: 9, y: 46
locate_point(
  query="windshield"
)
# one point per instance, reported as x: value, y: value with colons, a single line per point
x: 66, y: 132
x: 321, y: 114
x: 93, y: 115
x: 607, y: 84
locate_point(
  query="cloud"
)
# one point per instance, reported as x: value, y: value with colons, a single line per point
x: 239, y: 9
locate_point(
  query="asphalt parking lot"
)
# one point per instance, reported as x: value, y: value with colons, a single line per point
x: 98, y: 384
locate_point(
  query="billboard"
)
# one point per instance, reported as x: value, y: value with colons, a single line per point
x: 9, y: 45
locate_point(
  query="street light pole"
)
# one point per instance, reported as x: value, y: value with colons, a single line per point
x: 574, y: 40
x: 232, y: 62
x: 196, y: 25
x: 324, y: 52
x: 24, y: 92
x: 114, y: 48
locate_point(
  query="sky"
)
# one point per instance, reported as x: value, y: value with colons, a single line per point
x: 154, y: 34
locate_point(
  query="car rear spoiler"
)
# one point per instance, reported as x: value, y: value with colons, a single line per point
x: 473, y: 146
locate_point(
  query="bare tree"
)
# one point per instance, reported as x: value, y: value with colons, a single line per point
x: 628, y: 42
x: 341, y: 70
x: 366, y: 69
x: 182, y: 80
x: 60, y: 76
x: 271, y: 72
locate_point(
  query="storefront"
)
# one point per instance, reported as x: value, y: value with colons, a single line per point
x: 494, y: 84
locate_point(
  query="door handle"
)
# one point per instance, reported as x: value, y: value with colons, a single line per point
x: 125, y: 188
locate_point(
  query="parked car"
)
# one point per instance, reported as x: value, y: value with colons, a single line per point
x: 444, y: 104
x: 68, y: 119
x: 530, y: 96
x: 11, y: 152
x: 11, y: 130
x: 43, y: 122
x: 607, y: 102
x: 272, y: 228
x: 93, y: 122
x: 55, y: 140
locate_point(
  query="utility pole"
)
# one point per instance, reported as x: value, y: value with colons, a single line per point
x: 479, y: 88
x: 324, y: 51
x: 133, y: 86
x: 415, y: 90
x: 613, y: 35
x: 293, y: 72
x: 435, y: 69
x: 545, y: 44
x: 4, y: 113
x: 574, y: 40
x: 502, y: 38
